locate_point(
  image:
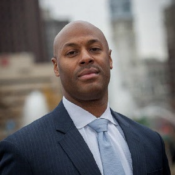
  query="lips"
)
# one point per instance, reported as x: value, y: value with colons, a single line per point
x: 88, y: 73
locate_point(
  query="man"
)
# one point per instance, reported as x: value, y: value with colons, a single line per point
x: 64, y: 142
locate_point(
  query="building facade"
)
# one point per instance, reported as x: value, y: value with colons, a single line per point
x: 170, y: 31
x: 125, y: 45
x: 155, y: 85
x: 51, y: 29
x: 21, y: 28
x: 17, y: 82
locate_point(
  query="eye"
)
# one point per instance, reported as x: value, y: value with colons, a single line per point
x: 95, y: 49
x: 71, y: 53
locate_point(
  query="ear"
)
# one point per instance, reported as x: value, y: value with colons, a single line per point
x: 55, y: 66
x: 110, y: 59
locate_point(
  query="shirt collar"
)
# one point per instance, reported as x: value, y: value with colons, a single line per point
x: 81, y: 117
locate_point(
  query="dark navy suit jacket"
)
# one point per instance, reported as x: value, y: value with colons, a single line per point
x: 52, y: 145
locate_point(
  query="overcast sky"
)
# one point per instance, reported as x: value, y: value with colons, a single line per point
x: 148, y: 16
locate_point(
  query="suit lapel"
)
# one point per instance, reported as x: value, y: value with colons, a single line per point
x: 73, y: 143
x: 135, y: 146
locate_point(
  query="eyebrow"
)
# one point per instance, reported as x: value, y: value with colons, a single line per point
x: 74, y: 44
x: 93, y: 41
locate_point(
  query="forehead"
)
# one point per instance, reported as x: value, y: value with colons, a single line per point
x: 78, y: 33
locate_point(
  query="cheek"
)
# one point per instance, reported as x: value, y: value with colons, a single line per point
x: 105, y: 63
x: 66, y: 72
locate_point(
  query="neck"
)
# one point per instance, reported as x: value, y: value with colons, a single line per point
x: 96, y: 106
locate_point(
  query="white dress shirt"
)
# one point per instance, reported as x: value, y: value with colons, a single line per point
x: 82, y: 118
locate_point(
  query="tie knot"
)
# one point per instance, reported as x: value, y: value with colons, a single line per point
x: 99, y: 125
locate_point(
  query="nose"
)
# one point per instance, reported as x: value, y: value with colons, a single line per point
x: 86, y: 58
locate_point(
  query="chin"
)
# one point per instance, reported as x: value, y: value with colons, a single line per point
x: 93, y: 94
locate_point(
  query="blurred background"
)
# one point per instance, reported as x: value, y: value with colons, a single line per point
x: 141, y: 35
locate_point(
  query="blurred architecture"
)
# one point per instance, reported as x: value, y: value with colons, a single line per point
x: 51, y: 29
x: 145, y: 79
x: 124, y: 41
x: 27, y: 28
x: 19, y: 76
x: 155, y: 87
x: 170, y: 30
x: 21, y: 28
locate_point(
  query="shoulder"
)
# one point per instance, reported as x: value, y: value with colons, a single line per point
x: 31, y: 132
x: 35, y: 133
x: 150, y: 141
x: 142, y: 132
x: 40, y: 128
x: 38, y: 135
x: 19, y: 148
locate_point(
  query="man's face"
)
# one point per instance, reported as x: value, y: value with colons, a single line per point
x: 83, y: 63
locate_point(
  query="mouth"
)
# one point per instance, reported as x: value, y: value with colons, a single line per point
x: 88, y: 73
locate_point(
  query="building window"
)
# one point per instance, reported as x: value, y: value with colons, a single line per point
x: 127, y: 7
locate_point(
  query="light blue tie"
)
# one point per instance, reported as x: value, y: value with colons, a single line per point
x: 110, y: 159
